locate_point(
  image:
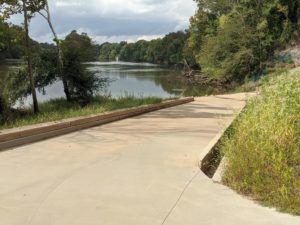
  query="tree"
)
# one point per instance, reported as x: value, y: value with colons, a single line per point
x: 11, y: 41
x: 47, y: 17
x: 173, y: 45
x: 83, y: 46
x: 105, y: 52
x: 25, y: 9
x: 78, y: 48
x: 109, y: 51
x: 28, y: 8
x: 4, y: 97
x: 229, y: 55
x: 231, y: 40
x: 14, y: 84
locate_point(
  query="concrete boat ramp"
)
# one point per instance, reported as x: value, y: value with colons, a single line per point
x: 138, y: 171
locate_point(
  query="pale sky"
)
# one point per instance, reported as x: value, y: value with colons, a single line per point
x: 114, y: 20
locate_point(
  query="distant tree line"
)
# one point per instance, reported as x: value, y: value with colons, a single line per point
x: 169, y: 50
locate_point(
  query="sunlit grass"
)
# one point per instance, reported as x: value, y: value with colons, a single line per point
x: 263, y: 148
x: 59, y: 109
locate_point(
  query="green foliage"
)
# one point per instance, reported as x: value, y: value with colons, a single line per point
x: 5, y: 85
x: 263, y: 148
x: 154, y: 52
x: 232, y: 39
x: 80, y: 45
x: 44, y: 72
x: 11, y: 38
x: 45, y: 64
x: 228, y: 55
x: 173, y: 45
x: 168, y: 50
x: 11, y: 7
x: 78, y: 48
x: 28, y: 9
x: 82, y: 83
x: 109, y: 52
x: 202, y: 25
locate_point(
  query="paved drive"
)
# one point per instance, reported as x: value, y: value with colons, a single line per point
x: 139, y: 171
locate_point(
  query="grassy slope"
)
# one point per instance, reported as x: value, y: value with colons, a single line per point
x: 60, y: 109
x: 263, y: 149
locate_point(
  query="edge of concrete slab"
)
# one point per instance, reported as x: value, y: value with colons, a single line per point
x: 220, y: 171
x: 20, y: 136
x: 209, y: 153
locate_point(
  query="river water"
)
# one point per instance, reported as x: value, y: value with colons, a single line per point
x: 138, y: 79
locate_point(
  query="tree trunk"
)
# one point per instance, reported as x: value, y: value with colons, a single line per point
x: 29, y: 59
x: 2, y: 109
x: 61, y: 65
x: 60, y: 54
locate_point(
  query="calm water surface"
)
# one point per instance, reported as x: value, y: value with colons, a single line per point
x: 138, y: 79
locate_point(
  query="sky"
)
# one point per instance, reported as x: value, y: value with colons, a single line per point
x: 114, y: 20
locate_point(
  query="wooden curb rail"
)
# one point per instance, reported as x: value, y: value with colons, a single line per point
x: 20, y: 136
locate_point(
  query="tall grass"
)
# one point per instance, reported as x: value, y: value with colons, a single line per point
x: 263, y: 148
x: 59, y: 109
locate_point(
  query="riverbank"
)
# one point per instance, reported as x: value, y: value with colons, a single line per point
x: 58, y: 109
x: 262, y: 147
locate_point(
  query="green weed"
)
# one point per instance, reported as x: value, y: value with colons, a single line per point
x: 59, y: 109
x: 263, y: 150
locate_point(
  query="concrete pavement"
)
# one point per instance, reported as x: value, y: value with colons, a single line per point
x: 139, y: 171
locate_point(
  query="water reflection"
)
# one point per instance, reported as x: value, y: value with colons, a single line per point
x: 138, y: 79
